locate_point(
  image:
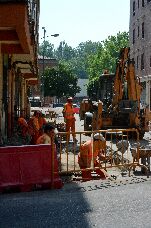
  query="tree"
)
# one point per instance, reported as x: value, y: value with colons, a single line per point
x: 89, y: 59
x: 105, y: 58
x: 46, y: 49
x: 83, y: 52
x: 64, y: 52
x: 92, y: 88
x: 77, y: 58
x: 60, y: 82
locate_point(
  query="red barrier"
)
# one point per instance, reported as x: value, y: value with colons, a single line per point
x: 25, y: 166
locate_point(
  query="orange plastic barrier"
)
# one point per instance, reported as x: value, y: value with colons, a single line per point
x: 28, y: 166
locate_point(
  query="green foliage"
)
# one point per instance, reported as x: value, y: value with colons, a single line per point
x: 76, y: 58
x: 64, y: 52
x: 106, y: 58
x: 88, y: 60
x: 60, y: 82
x: 92, y: 88
x: 46, y: 49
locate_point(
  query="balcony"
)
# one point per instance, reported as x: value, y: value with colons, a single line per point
x: 19, y: 21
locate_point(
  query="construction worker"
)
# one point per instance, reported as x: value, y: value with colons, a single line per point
x: 48, y: 135
x: 34, y: 127
x: 98, y: 145
x: 68, y: 113
x: 23, y: 126
x: 42, y: 122
x: 23, y: 130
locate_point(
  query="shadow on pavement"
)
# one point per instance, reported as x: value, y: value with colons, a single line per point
x: 66, y: 207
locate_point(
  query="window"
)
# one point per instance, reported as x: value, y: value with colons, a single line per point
x: 143, y: 30
x: 133, y: 8
x: 142, y: 3
x: 133, y: 36
x: 142, y: 61
x: 138, y: 4
x: 137, y: 62
x: 138, y: 31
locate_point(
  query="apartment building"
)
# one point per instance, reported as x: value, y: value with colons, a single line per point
x: 19, y: 25
x: 140, y: 44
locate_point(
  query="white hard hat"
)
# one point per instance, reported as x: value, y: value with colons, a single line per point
x: 99, y: 136
x: 70, y: 98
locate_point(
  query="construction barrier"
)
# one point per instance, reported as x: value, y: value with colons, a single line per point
x: 144, y: 155
x: 116, y: 149
x: 26, y: 167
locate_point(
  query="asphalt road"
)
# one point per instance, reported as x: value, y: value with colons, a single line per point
x: 119, y: 204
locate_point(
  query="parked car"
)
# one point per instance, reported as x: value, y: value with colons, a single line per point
x: 76, y: 108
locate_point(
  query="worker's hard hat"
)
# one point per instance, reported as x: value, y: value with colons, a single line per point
x: 70, y: 98
x: 99, y: 136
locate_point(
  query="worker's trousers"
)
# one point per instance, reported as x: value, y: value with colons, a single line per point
x: 70, y: 125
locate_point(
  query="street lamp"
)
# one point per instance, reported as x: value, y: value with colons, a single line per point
x: 43, y: 62
x: 55, y: 35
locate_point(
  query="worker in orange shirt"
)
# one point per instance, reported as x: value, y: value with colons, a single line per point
x: 48, y: 136
x: 86, y: 156
x: 22, y: 123
x: 23, y: 130
x: 42, y: 122
x: 68, y: 113
x: 34, y: 127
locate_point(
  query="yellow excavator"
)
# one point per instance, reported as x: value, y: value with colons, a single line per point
x: 118, y: 100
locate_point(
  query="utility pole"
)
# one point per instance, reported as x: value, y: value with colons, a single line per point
x: 43, y: 64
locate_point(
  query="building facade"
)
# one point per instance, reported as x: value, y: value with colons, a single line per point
x: 19, y: 25
x: 82, y: 83
x: 140, y: 44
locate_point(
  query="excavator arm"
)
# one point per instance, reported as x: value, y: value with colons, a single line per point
x: 118, y: 104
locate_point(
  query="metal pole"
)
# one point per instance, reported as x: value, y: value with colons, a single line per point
x: 43, y: 64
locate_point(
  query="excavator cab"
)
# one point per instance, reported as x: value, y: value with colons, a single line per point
x: 105, y: 93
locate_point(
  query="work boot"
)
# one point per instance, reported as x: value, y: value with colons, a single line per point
x: 102, y: 173
x: 86, y: 175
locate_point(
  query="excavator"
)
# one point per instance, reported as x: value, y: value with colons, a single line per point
x: 118, y: 100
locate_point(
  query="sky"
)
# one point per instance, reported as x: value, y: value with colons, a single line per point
x: 78, y: 21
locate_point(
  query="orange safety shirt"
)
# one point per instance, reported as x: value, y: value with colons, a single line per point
x: 68, y: 111
x: 22, y: 121
x: 42, y: 121
x: 23, y: 126
x: 86, y: 149
x: 35, y: 123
